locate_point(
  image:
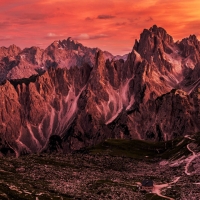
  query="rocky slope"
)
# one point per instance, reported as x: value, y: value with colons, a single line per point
x: 69, y: 96
x: 113, y: 169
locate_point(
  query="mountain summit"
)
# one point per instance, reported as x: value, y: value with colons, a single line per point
x: 75, y: 96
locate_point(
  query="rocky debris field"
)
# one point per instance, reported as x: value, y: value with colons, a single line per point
x: 95, y: 174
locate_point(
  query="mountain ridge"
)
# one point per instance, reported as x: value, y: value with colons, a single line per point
x: 24, y: 63
x: 85, y: 95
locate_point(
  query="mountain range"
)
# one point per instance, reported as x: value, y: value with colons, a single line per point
x: 69, y: 96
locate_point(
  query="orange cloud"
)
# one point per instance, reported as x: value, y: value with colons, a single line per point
x: 110, y: 25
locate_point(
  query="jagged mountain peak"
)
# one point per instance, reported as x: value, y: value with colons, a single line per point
x: 193, y: 38
x: 172, y: 61
x: 12, y: 50
x: 151, y: 40
x: 154, y: 32
x: 158, y: 30
x: 14, y: 47
x: 71, y: 44
x: 70, y: 39
x: 190, y: 42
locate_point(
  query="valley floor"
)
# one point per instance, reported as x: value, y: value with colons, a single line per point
x: 92, y: 176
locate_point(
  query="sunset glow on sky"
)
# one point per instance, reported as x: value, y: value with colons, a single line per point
x: 111, y: 25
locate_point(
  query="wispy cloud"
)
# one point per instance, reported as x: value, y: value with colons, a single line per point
x: 6, y: 38
x: 120, y: 23
x: 85, y: 36
x: 4, y: 24
x: 51, y: 35
x: 105, y: 17
x: 88, y: 18
x: 149, y: 19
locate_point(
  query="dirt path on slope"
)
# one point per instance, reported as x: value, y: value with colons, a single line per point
x: 190, y: 158
x: 158, y: 188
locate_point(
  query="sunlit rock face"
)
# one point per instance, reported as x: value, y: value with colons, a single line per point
x: 70, y: 96
x: 34, y: 109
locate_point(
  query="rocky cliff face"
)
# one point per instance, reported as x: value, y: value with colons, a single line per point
x: 69, y: 96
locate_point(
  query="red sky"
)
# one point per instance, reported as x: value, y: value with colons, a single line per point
x: 111, y: 25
